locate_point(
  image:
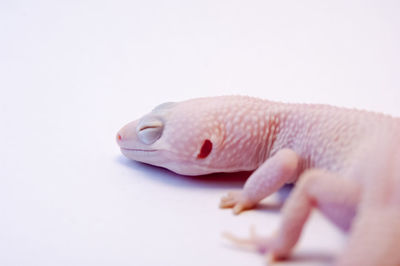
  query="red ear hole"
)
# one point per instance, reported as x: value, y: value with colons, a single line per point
x: 205, y: 149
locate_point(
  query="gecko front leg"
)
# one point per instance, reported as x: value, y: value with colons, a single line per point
x: 267, y: 179
x: 336, y: 197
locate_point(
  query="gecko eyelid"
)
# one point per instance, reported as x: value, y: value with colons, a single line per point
x: 149, y: 130
x: 148, y: 127
x: 149, y: 135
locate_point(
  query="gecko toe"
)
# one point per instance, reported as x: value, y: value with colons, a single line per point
x: 227, y: 203
x: 253, y: 242
x: 238, y: 208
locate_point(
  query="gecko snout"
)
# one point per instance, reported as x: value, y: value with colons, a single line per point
x: 127, y: 134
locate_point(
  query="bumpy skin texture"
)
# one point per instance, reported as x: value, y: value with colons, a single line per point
x: 346, y: 162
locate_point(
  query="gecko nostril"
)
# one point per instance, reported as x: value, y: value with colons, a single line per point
x: 119, y: 137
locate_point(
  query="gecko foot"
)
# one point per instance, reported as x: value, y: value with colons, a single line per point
x: 235, y: 200
x: 253, y: 242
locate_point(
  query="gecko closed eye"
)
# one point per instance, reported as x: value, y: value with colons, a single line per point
x: 205, y: 149
x: 149, y: 130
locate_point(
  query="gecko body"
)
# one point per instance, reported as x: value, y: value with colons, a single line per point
x: 346, y: 164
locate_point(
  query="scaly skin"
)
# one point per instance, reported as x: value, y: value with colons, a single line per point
x: 346, y: 162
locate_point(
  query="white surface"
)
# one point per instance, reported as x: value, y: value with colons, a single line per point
x: 73, y: 72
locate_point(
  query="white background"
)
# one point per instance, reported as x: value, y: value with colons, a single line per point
x: 73, y: 72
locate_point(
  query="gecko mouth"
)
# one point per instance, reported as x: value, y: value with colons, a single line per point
x: 137, y: 150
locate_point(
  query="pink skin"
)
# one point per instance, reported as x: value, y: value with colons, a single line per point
x: 346, y: 162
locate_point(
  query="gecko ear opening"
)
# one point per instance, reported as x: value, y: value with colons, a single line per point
x: 205, y: 150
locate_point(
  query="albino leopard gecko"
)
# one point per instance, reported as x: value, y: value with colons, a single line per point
x: 346, y: 164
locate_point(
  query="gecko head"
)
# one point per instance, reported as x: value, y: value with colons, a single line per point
x: 186, y: 138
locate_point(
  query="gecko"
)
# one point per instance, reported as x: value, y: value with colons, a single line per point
x: 344, y: 163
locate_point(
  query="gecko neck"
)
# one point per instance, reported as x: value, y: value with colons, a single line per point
x: 276, y: 134
x: 257, y: 131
